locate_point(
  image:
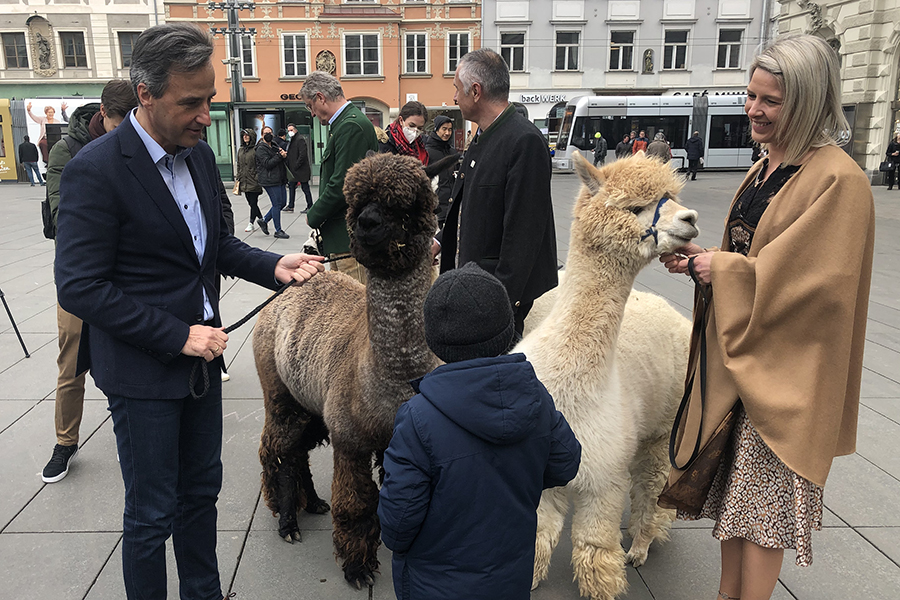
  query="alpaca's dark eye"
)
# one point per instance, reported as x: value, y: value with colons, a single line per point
x: 637, y: 210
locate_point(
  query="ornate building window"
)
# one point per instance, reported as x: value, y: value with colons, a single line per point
x: 416, y: 53
x: 15, y: 51
x: 567, y: 43
x: 675, y: 50
x: 74, y: 53
x: 361, y: 56
x: 512, y: 49
x: 729, y: 48
x: 457, y: 47
x: 621, y: 50
x: 127, y: 39
x: 294, y: 53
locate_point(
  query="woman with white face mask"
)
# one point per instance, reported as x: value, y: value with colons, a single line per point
x: 404, y: 135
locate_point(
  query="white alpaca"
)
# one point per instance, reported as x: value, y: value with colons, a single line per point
x: 618, y: 392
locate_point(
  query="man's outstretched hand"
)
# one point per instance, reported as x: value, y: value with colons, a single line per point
x: 299, y: 267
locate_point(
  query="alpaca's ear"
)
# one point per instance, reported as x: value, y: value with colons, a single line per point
x: 589, y: 174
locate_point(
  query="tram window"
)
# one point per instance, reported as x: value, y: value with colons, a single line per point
x: 582, y: 135
x: 565, y: 128
x: 729, y: 131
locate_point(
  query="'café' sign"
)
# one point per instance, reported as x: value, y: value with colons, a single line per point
x: 539, y: 98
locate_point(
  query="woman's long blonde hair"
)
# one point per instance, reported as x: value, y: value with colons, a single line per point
x: 808, y: 73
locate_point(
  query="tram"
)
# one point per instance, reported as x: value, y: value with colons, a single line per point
x: 721, y: 121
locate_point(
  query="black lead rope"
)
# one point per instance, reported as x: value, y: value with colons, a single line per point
x: 200, y: 363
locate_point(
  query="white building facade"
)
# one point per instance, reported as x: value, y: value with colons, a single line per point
x: 560, y: 49
x: 67, y: 48
x: 866, y: 34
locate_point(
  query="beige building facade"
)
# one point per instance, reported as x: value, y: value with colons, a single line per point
x: 866, y: 34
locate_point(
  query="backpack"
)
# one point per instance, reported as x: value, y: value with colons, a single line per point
x: 46, y: 216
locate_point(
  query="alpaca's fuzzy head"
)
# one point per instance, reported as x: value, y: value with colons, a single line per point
x: 391, y: 217
x: 618, y: 203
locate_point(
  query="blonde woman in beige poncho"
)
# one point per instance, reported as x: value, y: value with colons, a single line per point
x: 786, y: 329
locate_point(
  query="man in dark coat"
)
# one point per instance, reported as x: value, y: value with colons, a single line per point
x: 623, y: 148
x: 501, y: 211
x: 694, y: 148
x: 439, y: 146
x: 298, y: 165
x: 28, y: 156
x: 471, y: 453
x: 141, y: 237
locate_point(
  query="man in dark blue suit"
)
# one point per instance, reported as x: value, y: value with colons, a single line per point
x: 141, y: 236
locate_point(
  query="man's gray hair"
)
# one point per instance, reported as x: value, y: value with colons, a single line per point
x: 320, y: 82
x: 165, y: 49
x: 488, y: 69
x: 659, y: 137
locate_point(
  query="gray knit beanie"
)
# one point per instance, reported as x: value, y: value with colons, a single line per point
x: 468, y: 315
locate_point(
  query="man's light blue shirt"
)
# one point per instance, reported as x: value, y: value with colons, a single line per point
x: 337, y: 112
x: 175, y: 173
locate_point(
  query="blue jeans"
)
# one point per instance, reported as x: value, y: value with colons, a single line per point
x: 33, y: 167
x: 278, y: 196
x: 170, y: 456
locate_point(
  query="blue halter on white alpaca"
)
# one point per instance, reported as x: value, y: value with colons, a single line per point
x: 652, y: 229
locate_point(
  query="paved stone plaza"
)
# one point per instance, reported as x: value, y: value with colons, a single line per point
x: 62, y: 541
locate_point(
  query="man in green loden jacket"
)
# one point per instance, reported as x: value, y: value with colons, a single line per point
x: 350, y: 136
x: 88, y: 122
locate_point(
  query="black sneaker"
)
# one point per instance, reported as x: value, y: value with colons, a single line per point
x: 58, y: 467
x: 281, y: 235
x: 263, y: 225
x: 289, y: 209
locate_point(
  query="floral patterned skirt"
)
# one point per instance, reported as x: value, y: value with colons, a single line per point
x: 756, y: 497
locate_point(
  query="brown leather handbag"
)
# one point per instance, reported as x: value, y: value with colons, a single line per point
x: 688, y: 493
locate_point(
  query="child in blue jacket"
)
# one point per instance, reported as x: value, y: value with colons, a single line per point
x: 471, y: 453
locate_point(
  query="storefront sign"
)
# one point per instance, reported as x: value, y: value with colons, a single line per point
x: 706, y: 93
x: 291, y: 97
x: 540, y: 98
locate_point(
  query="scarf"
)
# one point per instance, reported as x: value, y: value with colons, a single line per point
x: 404, y: 148
x: 95, y: 127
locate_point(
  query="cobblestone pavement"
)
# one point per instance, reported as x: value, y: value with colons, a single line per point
x: 62, y: 540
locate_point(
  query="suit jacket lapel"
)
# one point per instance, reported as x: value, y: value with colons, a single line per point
x: 138, y: 161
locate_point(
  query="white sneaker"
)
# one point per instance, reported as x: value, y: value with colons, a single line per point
x: 225, y: 376
x: 249, y: 228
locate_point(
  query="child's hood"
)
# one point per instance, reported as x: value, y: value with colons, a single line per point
x: 497, y: 399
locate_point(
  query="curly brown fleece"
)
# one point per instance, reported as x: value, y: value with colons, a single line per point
x: 335, y: 352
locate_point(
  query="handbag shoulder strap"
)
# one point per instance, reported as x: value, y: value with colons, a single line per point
x: 688, y: 423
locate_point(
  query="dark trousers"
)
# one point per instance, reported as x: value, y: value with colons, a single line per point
x: 693, y: 166
x: 170, y: 456
x: 292, y: 193
x: 891, y: 176
x: 278, y: 197
x: 253, y: 201
x: 521, y: 312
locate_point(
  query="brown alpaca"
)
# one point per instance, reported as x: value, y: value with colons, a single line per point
x: 335, y: 359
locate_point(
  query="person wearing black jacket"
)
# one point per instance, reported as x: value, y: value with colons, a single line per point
x: 28, y: 156
x: 893, y: 155
x: 298, y: 165
x: 506, y: 222
x: 272, y: 176
x: 694, y: 148
x: 438, y: 146
x: 623, y: 148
